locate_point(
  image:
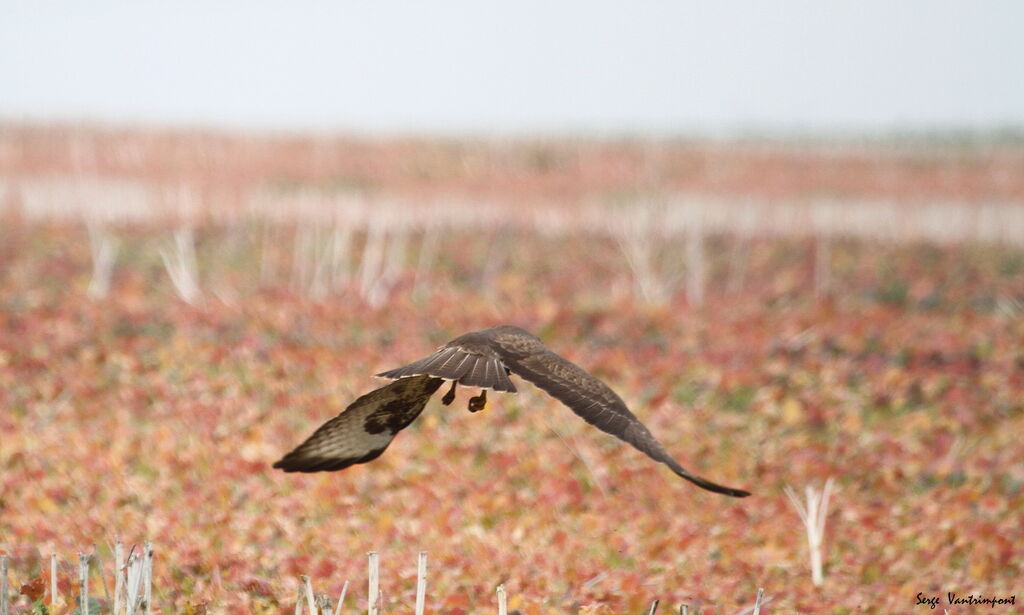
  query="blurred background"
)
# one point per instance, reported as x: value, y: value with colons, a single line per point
x: 393, y: 124
x: 791, y: 235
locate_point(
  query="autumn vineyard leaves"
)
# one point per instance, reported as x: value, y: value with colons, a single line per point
x: 178, y: 310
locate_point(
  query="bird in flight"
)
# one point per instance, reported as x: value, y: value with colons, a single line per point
x: 482, y: 359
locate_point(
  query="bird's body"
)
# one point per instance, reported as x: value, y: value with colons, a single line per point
x: 481, y: 359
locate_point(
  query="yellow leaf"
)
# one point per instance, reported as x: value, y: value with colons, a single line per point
x: 792, y: 411
x: 46, y: 505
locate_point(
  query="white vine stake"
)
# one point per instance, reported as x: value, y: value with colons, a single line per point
x: 3, y: 584
x: 813, y: 515
x: 180, y: 262
x: 118, y: 576
x: 341, y: 598
x: 310, y: 600
x: 374, y: 569
x: 502, y: 602
x: 83, y: 583
x: 421, y: 582
x: 53, y: 581
x: 147, y: 576
x: 103, y: 246
x: 135, y: 583
x: 757, y: 603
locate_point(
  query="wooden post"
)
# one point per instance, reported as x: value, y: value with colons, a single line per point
x: 310, y: 600
x: 53, y: 583
x: 341, y: 598
x: 757, y: 603
x: 421, y: 582
x: 83, y: 583
x: 3, y: 584
x: 135, y: 571
x: 147, y: 572
x: 323, y: 604
x: 118, y: 577
x: 813, y: 516
x: 373, y: 585
x: 104, y: 254
x: 502, y: 604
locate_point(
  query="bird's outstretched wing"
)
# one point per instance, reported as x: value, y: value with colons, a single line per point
x: 363, y: 430
x: 507, y: 348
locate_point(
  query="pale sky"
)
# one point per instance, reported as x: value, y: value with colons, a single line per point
x: 523, y: 67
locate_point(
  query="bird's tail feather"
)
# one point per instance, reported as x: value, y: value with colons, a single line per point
x: 467, y: 368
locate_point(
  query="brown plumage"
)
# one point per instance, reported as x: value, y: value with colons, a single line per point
x: 363, y: 430
x: 481, y: 359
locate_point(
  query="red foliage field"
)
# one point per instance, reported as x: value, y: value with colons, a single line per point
x: 222, y: 165
x: 139, y: 416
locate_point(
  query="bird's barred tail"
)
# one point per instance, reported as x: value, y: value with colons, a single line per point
x: 466, y: 368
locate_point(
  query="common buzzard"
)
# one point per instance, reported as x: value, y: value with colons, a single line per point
x: 481, y: 359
